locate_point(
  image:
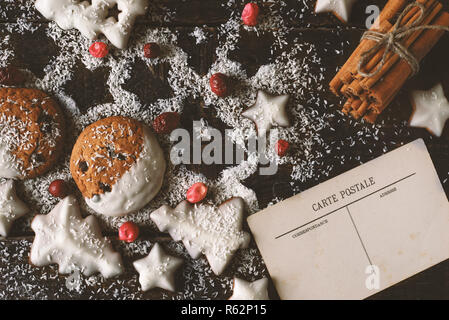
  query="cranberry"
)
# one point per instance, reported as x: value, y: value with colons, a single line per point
x: 282, y: 147
x: 151, y: 50
x: 128, y: 232
x: 219, y: 84
x: 197, y: 192
x: 166, y: 122
x: 58, y: 188
x: 250, y: 14
x: 99, y: 49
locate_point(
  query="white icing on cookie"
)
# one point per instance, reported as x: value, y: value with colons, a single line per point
x: 63, y: 237
x: 431, y: 109
x: 157, y: 269
x: 267, y: 112
x: 11, y: 137
x: 341, y: 8
x: 215, y: 232
x: 11, y: 207
x: 244, y: 290
x: 91, y: 20
x: 136, y: 187
x: 8, y: 163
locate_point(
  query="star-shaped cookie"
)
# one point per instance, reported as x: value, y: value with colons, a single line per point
x: 216, y: 232
x: 431, y: 109
x: 157, y: 269
x: 244, y: 290
x: 11, y: 207
x: 267, y: 112
x: 341, y: 8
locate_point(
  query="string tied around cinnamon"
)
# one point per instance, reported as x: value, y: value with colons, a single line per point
x: 392, y: 41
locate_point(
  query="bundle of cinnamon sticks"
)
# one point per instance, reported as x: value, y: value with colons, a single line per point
x: 368, y: 96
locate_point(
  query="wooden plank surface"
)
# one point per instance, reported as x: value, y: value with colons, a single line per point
x: 332, y: 41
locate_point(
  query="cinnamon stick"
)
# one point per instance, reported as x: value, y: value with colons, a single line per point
x: 347, y: 106
x: 355, y: 105
x: 384, y: 91
x: 359, y: 83
x: 350, y: 69
x: 367, y: 83
x: 391, y: 9
x: 371, y: 116
x: 361, y: 110
x: 410, y: 18
x: 345, y: 92
x: 369, y: 96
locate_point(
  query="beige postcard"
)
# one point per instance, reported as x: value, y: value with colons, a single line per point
x: 358, y: 233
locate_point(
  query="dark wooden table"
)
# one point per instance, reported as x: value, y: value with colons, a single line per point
x: 33, y: 50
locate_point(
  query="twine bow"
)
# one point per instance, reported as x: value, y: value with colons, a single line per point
x: 391, y: 41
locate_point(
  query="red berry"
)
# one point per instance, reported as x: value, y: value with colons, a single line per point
x: 128, y: 232
x: 282, y: 147
x: 58, y: 189
x: 11, y: 76
x: 151, y: 50
x: 166, y: 122
x: 250, y: 14
x: 197, y: 192
x: 219, y: 84
x: 99, y: 49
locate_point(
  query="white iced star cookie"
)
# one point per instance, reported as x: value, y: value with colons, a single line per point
x: 11, y: 207
x: 244, y: 290
x: 93, y: 19
x: 268, y: 111
x: 341, y: 8
x: 431, y: 109
x: 74, y: 243
x: 215, y: 232
x: 157, y: 269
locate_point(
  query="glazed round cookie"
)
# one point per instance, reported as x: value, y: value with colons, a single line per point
x: 118, y: 165
x: 31, y: 132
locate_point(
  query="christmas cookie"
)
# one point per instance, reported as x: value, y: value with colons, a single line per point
x: 11, y: 207
x: 216, y: 232
x: 118, y: 165
x: 244, y: 290
x: 268, y: 111
x: 431, y: 109
x: 341, y: 8
x: 157, y: 269
x: 96, y: 17
x: 65, y: 238
x: 31, y: 133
